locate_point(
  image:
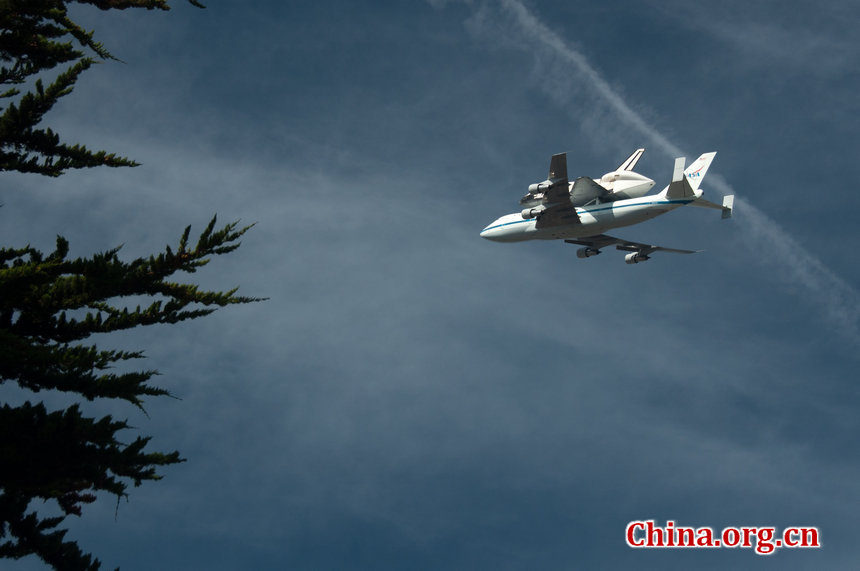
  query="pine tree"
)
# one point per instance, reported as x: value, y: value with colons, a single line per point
x: 50, y: 305
x: 36, y: 36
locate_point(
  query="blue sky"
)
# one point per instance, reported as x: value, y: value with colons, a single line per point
x: 412, y: 396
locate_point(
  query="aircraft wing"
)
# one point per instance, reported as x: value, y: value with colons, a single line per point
x: 557, y: 178
x: 557, y: 215
x: 558, y: 168
x: 555, y: 188
x: 602, y: 240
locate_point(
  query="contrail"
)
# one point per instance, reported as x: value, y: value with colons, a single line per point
x: 536, y: 29
x: 840, y: 301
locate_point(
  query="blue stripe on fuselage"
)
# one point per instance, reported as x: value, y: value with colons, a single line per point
x: 601, y: 209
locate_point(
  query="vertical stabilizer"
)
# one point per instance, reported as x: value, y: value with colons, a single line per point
x: 631, y: 161
x: 696, y: 171
x: 685, y: 182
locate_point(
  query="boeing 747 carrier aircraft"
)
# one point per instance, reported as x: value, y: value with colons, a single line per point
x: 579, y: 212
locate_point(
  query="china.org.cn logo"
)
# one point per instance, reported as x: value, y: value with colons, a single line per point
x: 764, y: 540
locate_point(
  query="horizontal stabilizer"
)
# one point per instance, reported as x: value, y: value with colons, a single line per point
x: 702, y: 203
x: 728, y: 206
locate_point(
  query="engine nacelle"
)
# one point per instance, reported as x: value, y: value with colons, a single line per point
x: 635, y: 258
x: 539, y: 187
x: 587, y: 252
x: 529, y: 213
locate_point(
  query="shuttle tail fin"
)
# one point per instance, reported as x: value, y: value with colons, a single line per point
x: 631, y: 161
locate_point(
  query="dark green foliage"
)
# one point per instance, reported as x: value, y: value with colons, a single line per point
x: 37, y: 294
x: 77, y: 456
x: 36, y: 36
x: 51, y: 305
x: 48, y: 306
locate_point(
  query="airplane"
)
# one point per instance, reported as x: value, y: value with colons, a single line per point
x: 579, y: 212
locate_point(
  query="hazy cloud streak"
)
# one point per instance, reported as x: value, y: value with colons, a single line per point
x: 839, y: 299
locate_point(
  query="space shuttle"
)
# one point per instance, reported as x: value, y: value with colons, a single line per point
x: 619, y: 184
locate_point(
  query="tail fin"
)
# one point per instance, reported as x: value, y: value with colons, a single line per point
x: 696, y: 171
x: 685, y: 183
x: 631, y: 161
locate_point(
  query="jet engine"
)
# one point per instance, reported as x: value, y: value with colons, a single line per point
x: 532, y: 212
x: 539, y: 187
x: 635, y: 258
x: 537, y: 192
x: 587, y: 252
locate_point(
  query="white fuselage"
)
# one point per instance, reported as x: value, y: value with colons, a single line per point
x: 593, y: 220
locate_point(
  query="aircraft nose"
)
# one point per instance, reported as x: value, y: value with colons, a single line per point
x: 505, y: 229
x: 488, y: 234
